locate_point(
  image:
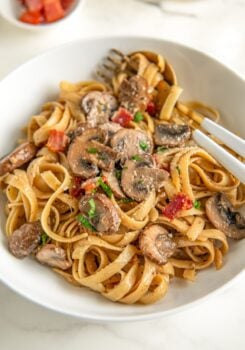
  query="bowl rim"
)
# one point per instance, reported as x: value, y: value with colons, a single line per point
x: 41, y: 27
x: 131, y: 318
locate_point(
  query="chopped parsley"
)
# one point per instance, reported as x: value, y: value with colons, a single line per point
x: 92, y: 150
x: 143, y: 146
x: 178, y: 169
x: 138, y: 117
x: 91, y: 212
x: 197, y: 204
x: 84, y: 221
x: 44, y: 238
x: 161, y: 149
x: 105, y: 187
x: 136, y: 157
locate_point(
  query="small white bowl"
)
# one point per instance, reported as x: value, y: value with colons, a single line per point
x: 10, y: 10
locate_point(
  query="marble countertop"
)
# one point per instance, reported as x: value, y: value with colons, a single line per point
x: 218, y: 29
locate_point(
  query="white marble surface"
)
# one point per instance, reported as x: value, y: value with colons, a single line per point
x: 219, y: 30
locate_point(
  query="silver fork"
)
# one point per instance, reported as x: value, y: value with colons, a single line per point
x: 110, y: 65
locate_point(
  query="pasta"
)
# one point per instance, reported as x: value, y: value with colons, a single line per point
x: 116, y: 196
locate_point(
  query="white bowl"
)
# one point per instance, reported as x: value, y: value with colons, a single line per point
x: 10, y: 10
x: 23, y: 92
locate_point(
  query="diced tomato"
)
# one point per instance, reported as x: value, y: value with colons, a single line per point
x: 57, y: 141
x: 66, y: 4
x: 180, y: 202
x: 34, y: 5
x: 31, y: 17
x: 151, y: 109
x: 89, y: 187
x: 122, y: 117
x: 76, y: 190
x: 53, y: 10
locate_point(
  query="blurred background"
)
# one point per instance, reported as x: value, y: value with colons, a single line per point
x: 213, y: 26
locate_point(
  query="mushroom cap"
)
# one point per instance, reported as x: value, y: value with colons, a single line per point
x: 224, y: 217
x: 171, y: 135
x: 156, y: 244
x: 94, y: 134
x: 128, y: 142
x: 139, y: 178
x: 106, y: 218
x: 98, y: 107
x: 53, y: 256
x: 110, y: 128
x: 20, y: 156
x: 133, y: 93
x: 78, y: 162
x: 25, y: 239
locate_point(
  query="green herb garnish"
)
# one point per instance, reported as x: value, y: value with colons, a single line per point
x: 118, y: 174
x: 136, y: 157
x: 138, y: 117
x: 178, y: 169
x: 84, y: 221
x: 143, y: 146
x: 92, y: 150
x: 105, y: 187
x: 91, y: 212
x: 44, y: 238
x: 161, y: 149
x: 197, y: 204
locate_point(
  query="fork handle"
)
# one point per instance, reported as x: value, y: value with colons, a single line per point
x: 231, y: 140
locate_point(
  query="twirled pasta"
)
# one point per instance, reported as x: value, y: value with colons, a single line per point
x: 113, y: 265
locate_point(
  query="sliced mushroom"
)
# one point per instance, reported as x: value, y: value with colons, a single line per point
x: 156, y: 244
x: 110, y: 128
x: 98, y: 107
x: 224, y: 217
x: 80, y: 165
x: 112, y: 181
x: 133, y: 94
x: 25, y: 239
x: 53, y: 256
x: 105, y: 218
x: 138, y: 179
x: 129, y: 142
x: 20, y: 156
x: 171, y: 135
x: 94, y: 134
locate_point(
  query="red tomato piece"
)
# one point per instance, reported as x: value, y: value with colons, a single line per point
x: 57, y: 141
x: 76, y: 189
x: 53, y: 10
x: 31, y: 17
x: 151, y: 109
x: 66, y: 4
x: 180, y: 202
x: 34, y: 5
x: 122, y: 117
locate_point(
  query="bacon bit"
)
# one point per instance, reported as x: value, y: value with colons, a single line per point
x: 57, y: 141
x: 76, y: 189
x: 151, y: 109
x: 122, y: 117
x: 180, y: 202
